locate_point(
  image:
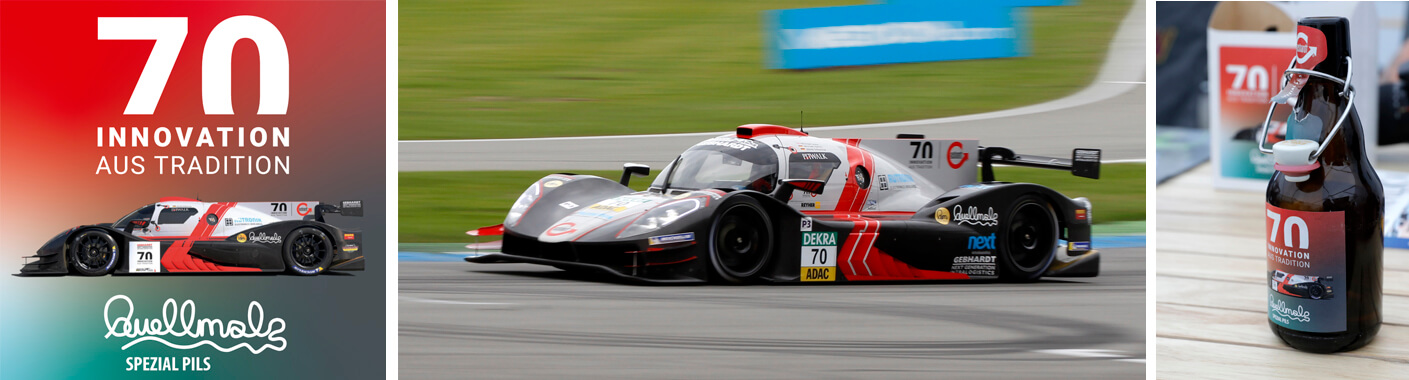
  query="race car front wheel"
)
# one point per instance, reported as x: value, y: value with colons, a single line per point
x: 308, y: 251
x: 93, y: 253
x: 1315, y: 291
x: 1029, y: 240
x: 741, y: 240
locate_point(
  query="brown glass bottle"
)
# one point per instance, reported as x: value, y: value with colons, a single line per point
x: 1345, y: 183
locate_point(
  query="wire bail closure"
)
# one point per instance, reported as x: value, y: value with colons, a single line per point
x: 1347, y: 92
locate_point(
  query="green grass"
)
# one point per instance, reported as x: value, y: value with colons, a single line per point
x: 536, y: 68
x: 441, y: 206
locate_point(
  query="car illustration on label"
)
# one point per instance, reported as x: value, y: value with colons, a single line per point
x: 182, y: 235
x: 1310, y: 287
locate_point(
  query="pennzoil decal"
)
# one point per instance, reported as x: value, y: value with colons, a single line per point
x: 241, y: 238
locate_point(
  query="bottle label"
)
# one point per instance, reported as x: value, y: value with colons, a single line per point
x: 1305, y: 269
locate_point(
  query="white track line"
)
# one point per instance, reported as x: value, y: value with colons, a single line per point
x: 444, y: 302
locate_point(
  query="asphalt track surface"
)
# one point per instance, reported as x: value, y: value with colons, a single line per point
x: 1109, y: 114
x: 463, y: 320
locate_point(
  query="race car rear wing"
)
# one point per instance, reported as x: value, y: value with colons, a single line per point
x: 347, y: 208
x: 1083, y: 162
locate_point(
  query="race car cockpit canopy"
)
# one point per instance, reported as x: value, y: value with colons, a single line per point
x: 725, y: 162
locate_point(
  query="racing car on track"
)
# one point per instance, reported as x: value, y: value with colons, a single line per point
x: 771, y: 203
x: 182, y: 235
x: 1301, y: 286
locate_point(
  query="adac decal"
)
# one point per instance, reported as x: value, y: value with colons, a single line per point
x: 349, y: 248
x: 1079, y: 246
x: 951, y: 155
x: 983, y: 242
x: 667, y: 239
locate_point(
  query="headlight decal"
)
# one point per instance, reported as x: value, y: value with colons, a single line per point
x: 662, y: 216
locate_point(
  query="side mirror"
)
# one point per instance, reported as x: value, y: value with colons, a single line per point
x: 629, y: 169
x: 137, y: 224
x: 811, y: 186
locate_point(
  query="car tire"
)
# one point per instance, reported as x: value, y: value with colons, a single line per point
x: 93, y: 253
x: 740, y: 240
x: 1027, y: 242
x: 1315, y: 291
x: 307, y: 251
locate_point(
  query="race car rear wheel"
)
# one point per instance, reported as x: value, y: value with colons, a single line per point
x: 1315, y: 291
x: 741, y: 240
x: 307, y: 251
x: 93, y: 253
x: 1028, y: 241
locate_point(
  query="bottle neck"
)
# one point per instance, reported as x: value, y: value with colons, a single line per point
x: 1314, y: 116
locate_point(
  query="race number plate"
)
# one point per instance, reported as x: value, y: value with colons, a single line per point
x: 819, y: 256
x: 144, y: 257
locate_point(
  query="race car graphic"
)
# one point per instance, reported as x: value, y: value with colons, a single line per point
x: 770, y: 203
x: 182, y: 235
x: 1313, y: 287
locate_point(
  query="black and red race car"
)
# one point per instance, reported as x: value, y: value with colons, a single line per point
x: 182, y: 235
x: 1301, y: 286
x: 770, y: 203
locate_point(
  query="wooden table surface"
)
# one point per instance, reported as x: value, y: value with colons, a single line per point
x: 1211, y: 294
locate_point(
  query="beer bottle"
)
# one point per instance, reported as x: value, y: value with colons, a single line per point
x: 1325, y: 204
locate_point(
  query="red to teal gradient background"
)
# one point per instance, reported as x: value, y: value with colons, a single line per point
x: 59, y: 83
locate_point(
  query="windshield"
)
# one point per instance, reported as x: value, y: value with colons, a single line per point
x: 737, y: 164
x: 144, y: 213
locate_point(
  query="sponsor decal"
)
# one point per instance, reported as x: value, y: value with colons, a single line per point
x: 941, y: 215
x: 1079, y: 246
x: 351, y: 204
x: 562, y: 229
x: 279, y: 209
x: 815, y: 205
x: 243, y: 222
x: 819, y: 274
x: 349, y: 248
x: 870, y: 205
x: 266, y: 238
x: 975, y: 264
x: 956, y: 158
x: 975, y: 186
x: 303, y: 209
x: 818, y: 256
x: 806, y: 224
x: 983, y: 242
x: 211, y: 219
x: 882, y: 183
x: 731, y: 142
x: 143, y: 257
x: 667, y: 239
x: 1081, y: 214
x: 972, y: 216
x: 595, y: 214
x: 349, y: 236
x: 620, y: 204
x: 568, y: 205
x: 552, y: 184
x: 179, y: 323
x: 241, y: 238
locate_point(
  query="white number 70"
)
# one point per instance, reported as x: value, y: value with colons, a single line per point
x: 170, y: 33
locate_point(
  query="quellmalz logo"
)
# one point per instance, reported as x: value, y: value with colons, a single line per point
x: 972, y: 216
x: 178, y: 328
